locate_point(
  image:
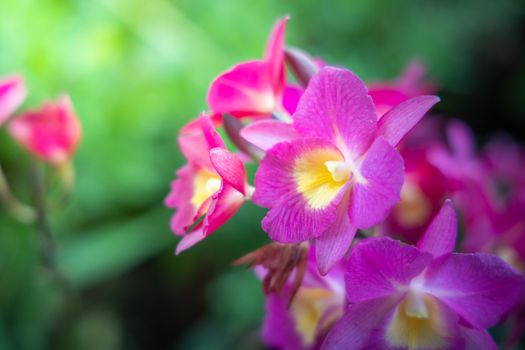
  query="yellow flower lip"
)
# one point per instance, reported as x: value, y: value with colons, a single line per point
x: 340, y: 170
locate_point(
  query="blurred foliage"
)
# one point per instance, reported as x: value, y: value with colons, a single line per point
x: 138, y: 70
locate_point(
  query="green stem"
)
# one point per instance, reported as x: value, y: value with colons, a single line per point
x: 47, y: 238
x: 18, y: 210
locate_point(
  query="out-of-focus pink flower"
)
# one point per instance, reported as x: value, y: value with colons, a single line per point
x: 12, y: 93
x: 425, y: 187
x: 497, y: 223
x: 411, y: 83
x: 257, y: 88
x: 315, y: 308
x: 211, y: 186
x: 424, y: 297
x: 340, y: 173
x: 51, y: 133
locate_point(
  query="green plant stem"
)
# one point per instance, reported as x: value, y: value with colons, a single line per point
x: 18, y: 210
x: 47, y: 238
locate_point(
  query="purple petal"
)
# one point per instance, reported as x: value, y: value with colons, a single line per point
x: 333, y: 244
x: 267, y: 133
x: 479, y: 287
x: 292, y: 221
x: 377, y: 266
x: 397, y: 122
x: 336, y: 107
x: 279, y: 327
x: 461, y: 139
x: 476, y: 339
x: 440, y: 236
x: 372, y: 198
x: 361, y: 326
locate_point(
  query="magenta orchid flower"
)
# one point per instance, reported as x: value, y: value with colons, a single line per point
x: 423, y: 297
x: 410, y: 84
x: 51, y: 133
x: 315, y: 308
x: 12, y: 93
x: 337, y: 169
x: 211, y: 186
x: 257, y: 88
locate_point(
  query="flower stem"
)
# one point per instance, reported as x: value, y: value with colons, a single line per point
x: 47, y: 238
x: 18, y: 210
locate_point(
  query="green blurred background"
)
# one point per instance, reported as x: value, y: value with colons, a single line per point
x: 139, y: 69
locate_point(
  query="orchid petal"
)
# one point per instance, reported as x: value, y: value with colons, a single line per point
x: 190, y: 240
x: 180, y: 197
x: 195, y: 149
x: 229, y: 167
x: 336, y: 107
x: 279, y: 329
x: 440, y: 236
x: 291, y: 97
x: 361, y: 326
x: 12, y: 93
x: 377, y: 187
x: 476, y: 339
x: 211, y: 135
x: 333, y: 244
x: 374, y: 268
x: 275, y: 55
x: 225, y: 203
x: 291, y: 221
x: 479, y: 287
x: 245, y: 90
x: 267, y: 133
x: 398, y: 121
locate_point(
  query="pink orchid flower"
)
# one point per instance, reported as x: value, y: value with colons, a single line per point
x: 12, y: 93
x: 211, y: 185
x: 316, y: 306
x: 337, y: 169
x: 410, y: 84
x: 51, y: 133
x: 257, y: 88
x: 423, y: 297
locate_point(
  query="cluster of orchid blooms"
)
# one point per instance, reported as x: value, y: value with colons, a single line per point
x: 50, y: 134
x: 361, y: 206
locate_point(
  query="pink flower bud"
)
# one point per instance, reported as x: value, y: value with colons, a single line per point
x: 51, y: 133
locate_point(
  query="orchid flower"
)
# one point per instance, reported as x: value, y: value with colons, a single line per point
x: 257, y: 88
x: 12, y: 93
x: 211, y: 185
x: 423, y: 297
x: 316, y: 306
x: 51, y: 133
x: 335, y: 169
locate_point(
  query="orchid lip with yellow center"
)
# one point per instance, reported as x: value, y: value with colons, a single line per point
x: 418, y: 321
x: 308, y: 307
x: 319, y: 176
x: 205, y: 184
